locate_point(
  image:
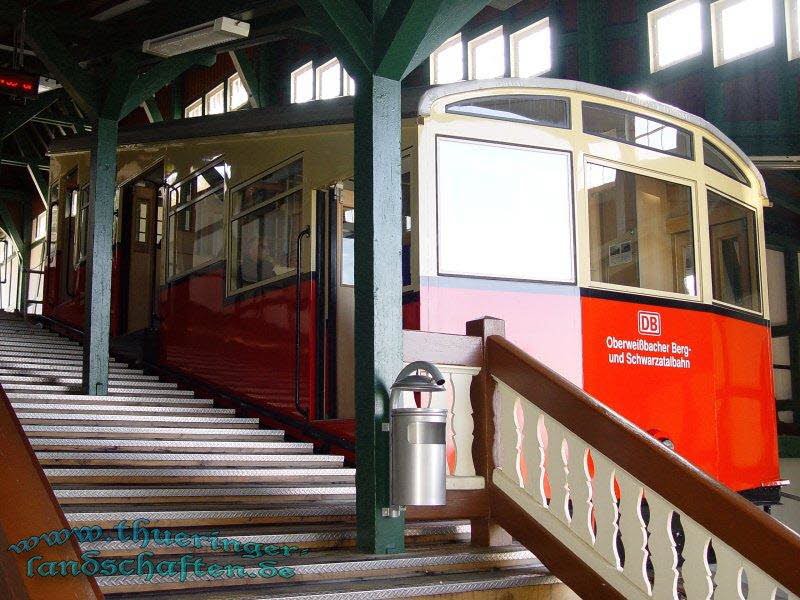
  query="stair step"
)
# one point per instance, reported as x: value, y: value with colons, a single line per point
x: 316, y: 567
x: 119, y: 381
x: 169, y: 446
x: 7, y: 341
x: 47, y: 368
x: 137, y: 460
x: 49, y: 418
x: 200, y: 475
x: 157, y: 433
x: 7, y: 361
x: 335, y: 535
x: 24, y: 397
x: 57, y: 374
x: 43, y: 388
x: 120, y: 408
x: 255, y: 495
x: 310, y: 512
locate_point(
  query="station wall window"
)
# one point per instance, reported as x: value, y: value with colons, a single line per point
x: 523, y: 108
x: 734, y: 258
x: 39, y: 226
x: 447, y: 62
x: 675, y: 33
x: 793, y: 28
x: 329, y: 79
x: 349, y: 84
x: 302, y: 83
x: 632, y: 128
x: 237, y: 94
x: 195, y: 221
x: 476, y: 235
x: 195, y: 109
x: 641, y: 231
x: 266, y: 217
x: 215, y: 100
x: 487, y: 55
x: 716, y: 159
x: 740, y: 28
x: 531, y: 53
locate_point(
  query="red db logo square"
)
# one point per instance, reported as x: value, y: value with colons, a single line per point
x: 649, y: 323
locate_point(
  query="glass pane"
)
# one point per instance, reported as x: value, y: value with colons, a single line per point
x: 776, y: 284
x: 195, y: 109
x: 678, y: 34
x: 716, y: 159
x: 488, y: 56
x: 303, y: 84
x: 640, y: 231
x: 53, y: 233
x: 627, y: 126
x: 215, y: 101
x: 734, y: 262
x: 532, y: 51
x: 348, y: 246
x: 448, y: 62
x: 330, y: 80
x: 191, y: 188
x: 504, y: 211
x: 276, y: 183
x: 264, y: 241
x: 196, y: 234
x: 237, y: 94
x: 746, y: 26
x: 537, y: 110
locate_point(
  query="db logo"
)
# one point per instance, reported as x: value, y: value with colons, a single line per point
x: 649, y: 323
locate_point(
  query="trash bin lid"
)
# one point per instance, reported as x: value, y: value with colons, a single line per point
x: 420, y: 412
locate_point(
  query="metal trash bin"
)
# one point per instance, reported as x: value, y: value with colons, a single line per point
x: 419, y: 456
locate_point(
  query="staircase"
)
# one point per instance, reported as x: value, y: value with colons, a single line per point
x: 152, y: 451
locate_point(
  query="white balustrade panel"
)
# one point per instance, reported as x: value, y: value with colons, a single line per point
x: 619, y: 527
x: 457, y: 401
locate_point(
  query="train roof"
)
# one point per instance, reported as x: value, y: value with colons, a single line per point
x: 415, y: 102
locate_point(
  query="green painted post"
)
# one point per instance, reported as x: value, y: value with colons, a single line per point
x: 378, y: 303
x: 98, y: 257
x: 24, y: 258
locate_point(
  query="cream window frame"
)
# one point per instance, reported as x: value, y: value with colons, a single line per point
x: 517, y: 36
x: 653, y: 18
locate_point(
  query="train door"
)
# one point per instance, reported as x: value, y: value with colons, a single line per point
x: 141, y: 217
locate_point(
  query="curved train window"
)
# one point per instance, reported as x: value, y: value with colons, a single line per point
x: 641, y: 232
x: 266, y: 217
x: 716, y: 159
x: 536, y: 110
x: 504, y: 211
x: 734, y: 258
x: 195, y: 221
x: 632, y: 128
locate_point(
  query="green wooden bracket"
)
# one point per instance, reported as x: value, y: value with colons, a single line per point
x: 119, y: 80
x: 12, y: 160
x: 244, y: 67
x: 158, y: 76
x: 412, y: 29
x: 346, y: 29
x: 17, y: 117
x: 39, y: 182
x: 150, y: 107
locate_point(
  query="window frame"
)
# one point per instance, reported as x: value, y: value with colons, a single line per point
x: 697, y: 240
x: 792, y: 14
x: 217, y: 89
x: 717, y: 34
x: 191, y: 106
x: 333, y: 63
x: 652, y: 26
x: 171, y: 210
x: 81, y: 228
x: 451, y: 41
x: 295, y: 75
x: 566, y: 100
x: 230, y: 291
x: 513, y: 42
x: 474, y: 43
x: 756, y: 247
x: 692, y: 154
x: 572, y: 212
x: 743, y: 181
x: 229, y: 107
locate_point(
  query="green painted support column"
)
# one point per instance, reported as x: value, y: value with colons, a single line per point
x: 24, y: 258
x: 378, y: 303
x: 98, y: 257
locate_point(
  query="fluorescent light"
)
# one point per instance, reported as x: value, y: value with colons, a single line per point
x: 215, y: 32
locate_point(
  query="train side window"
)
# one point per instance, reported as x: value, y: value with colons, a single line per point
x: 632, y: 128
x: 83, y: 213
x: 641, y: 232
x: 536, y: 110
x: 504, y: 211
x: 195, y: 221
x: 716, y: 159
x: 734, y: 258
x: 267, y: 216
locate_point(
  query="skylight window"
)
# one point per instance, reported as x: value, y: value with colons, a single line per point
x: 530, y: 50
x: 237, y: 94
x: 676, y: 33
x: 447, y: 62
x: 215, y: 100
x: 740, y: 28
x: 487, y: 56
x: 329, y: 80
x: 195, y: 109
x: 303, y: 83
x: 793, y: 28
x: 349, y: 84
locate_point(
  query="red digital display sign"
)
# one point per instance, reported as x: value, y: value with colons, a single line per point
x: 19, y: 84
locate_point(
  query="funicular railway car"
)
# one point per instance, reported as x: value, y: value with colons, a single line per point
x: 621, y: 239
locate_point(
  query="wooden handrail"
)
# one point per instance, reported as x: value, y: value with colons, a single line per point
x: 752, y: 533
x: 28, y: 508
